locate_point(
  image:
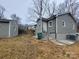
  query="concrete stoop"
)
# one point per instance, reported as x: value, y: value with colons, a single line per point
x: 56, y: 42
x: 62, y: 42
x: 67, y: 42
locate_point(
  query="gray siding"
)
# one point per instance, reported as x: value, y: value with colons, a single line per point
x: 58, y: 30
x: 13, y: 28
x: 69, y: 22
x: 51, y: 29
x: 4, y: 29
x: 61, y: 30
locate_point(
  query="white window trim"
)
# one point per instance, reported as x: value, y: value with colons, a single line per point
x: 49, y: 24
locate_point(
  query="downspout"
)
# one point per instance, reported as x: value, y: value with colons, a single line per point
x: 9, y: 29
x: 42, y: 28
x: 47, y: 31
x: 55, y: 30
x: 42, y: 24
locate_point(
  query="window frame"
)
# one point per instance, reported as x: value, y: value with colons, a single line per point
x: 50, y: 23
x: 64, y: 23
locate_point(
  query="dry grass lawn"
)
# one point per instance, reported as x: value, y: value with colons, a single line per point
x: 26, y: 47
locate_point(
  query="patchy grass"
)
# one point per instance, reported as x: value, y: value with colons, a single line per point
x: 26, y: 47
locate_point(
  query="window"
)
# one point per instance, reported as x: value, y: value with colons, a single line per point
x: 50, y: 24
x: 64, y: 24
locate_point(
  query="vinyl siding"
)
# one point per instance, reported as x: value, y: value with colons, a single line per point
x: 4, y: 29
x: 51, y: 29
x: 13, y: 28
x: 39, y: 26
x: 69, y: 22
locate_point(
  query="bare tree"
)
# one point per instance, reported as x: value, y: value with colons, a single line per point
x: 51, y: 7
x: 2, y: 9
x: 38, y: 10
x: 61, y: 8
x: 40, y: 7
x: 14, y: 17
x: 32, y: 16
x: 70, y: 6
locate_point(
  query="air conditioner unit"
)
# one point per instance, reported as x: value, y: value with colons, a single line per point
x: 71, y: 37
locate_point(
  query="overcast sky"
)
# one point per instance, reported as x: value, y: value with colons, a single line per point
x: 19, y: 7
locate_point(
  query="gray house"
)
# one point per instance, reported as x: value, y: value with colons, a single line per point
x: 57, y: 27
x: 8, y: 28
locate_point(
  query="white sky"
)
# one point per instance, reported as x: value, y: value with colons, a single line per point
x: 19, y: 7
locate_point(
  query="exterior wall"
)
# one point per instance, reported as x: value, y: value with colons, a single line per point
x: 4, y: 30
x: 52, y: 36
x: 61, y: 30
x: 45, y: 26
x: 44, y: 29
x: 13, y: 28
x: 69, y: 22
x: 51, y: 29
x: 63, y: 36
x: 39, y: 26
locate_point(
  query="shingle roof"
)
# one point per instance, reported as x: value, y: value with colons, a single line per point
x: 54, y: 17
x: 68, y: 14
x: 48, y: 19
x: 6, y: 20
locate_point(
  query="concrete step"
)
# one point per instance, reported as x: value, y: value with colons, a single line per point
x: 56, y: 42
x: 68, y: 42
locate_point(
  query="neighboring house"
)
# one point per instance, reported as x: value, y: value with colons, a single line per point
x: 8, y: 28
x: 32, y: 27
x: 57, y: 27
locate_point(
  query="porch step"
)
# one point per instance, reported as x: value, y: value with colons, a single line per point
x: 68, y: 42
x: 56, y: 42
x: 62, y: 42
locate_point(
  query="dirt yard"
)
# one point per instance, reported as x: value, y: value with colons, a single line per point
x: 26, y: 47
